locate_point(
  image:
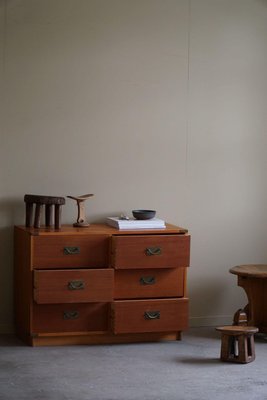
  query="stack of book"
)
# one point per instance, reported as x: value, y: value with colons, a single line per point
x: 154, y: 223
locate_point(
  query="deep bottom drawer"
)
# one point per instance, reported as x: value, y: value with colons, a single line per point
x: 165, y: 315
x: 70, y: 317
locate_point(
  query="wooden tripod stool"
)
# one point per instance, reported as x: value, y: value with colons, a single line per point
x: 238, y: 343
x: 40, y: 201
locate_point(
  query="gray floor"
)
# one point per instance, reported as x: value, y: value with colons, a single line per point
x: 189, y: 369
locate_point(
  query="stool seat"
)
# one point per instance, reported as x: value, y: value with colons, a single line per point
x: 237, y: 329
x: 237, y: 343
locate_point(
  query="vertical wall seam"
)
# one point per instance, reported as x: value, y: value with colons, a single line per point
x: 4, y: 38
x: 188, y: 87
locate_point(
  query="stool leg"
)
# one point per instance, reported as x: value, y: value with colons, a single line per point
x: 251, y: 348
x: 227, y: 349
x: 57, y: 215
x: 48, y: 214
x: 29, y: 214
x: 246, y: 348
x: 37, y: 216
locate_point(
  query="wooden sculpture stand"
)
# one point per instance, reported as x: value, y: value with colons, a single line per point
x: 81, y: 219
x: 253, y: 279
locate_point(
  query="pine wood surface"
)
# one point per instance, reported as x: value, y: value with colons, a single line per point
x: 70, y: 317
x: 128, y: 316
x: 167, y: 282
x: 250, y: 270
x: 43, y: 270
x: 92, y: 251
x: 252, y: 278
x: 83, y: 338
x: 131, y: 251
x: 237, y: 329
x: 101, y: 229
x: 73, y: 286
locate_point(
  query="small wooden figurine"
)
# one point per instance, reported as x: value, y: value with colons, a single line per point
x: 81, y: 219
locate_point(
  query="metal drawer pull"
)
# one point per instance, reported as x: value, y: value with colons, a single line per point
x: 71, y: 250
x: 76, y: 285
x: 147, y: 280
x: 152, y: 315
x: 70, y: 315
x: 153, y: 251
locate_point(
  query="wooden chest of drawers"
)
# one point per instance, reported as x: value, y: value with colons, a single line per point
x: 100, y: 285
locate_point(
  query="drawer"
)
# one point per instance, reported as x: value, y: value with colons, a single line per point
x: 70, y: 317
x: 73, y: 286
x: 166, y: 315
x: 141, y: 283
x: 69, y: 251
x: 150, y: 251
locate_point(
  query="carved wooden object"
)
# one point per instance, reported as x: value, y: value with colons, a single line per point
x: 39, y: 202
x: 81, y: 219
x: 238, y: 343
x: 253, y: 279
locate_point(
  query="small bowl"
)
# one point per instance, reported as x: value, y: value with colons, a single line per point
x: 144, y: 214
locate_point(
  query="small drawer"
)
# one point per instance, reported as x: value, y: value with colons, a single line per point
x: 73, y: 286
x: 142, y: 283
x: 70, y: 318
x: 166, y: 315
x: 150, y: 251
x: 69, y: 251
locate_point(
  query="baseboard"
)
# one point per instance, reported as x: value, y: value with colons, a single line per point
x: 210, y: 321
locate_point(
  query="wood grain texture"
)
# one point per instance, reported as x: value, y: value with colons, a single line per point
x: 22, y: 282
x: 132, y: 251
x: 48, y: 251
x: 82, y: 314
x: 252, y: 278
x: 82, y: 338
x: 70, y: 317
x: 152, y: 283
x: 73, y: 286
x: 128, y: 316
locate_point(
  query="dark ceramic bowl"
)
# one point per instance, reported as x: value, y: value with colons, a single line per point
x: 144, y: 214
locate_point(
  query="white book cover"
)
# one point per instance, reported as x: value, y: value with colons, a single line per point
x: 154, y: 223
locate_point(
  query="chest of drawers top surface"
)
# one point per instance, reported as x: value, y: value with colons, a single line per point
x: 100, y: 229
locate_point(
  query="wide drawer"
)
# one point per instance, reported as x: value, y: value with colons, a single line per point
x: 70, y: 318
x: 150, y: 251
x: 68, y: 251
x: 167, y: 315
x: 141, y: 283
x: 73, y: 286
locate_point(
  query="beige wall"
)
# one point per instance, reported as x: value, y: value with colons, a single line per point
x: 147, y: 104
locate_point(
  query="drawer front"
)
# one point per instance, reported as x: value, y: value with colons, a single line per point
x: 167, y: 315
x: 141, y: 283
x: 150, y: 251
x: 73, y: 286
x: 69, y: 251
x: 70, y: 318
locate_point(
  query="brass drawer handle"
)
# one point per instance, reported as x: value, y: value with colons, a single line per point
x: 70, y: 314
x: 147, y: 280
x: 71, y: 250
x: 153, y: 251
x: 76, y: 285
x: 152, y: 315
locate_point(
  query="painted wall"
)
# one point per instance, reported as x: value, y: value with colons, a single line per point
x: 155, y: 104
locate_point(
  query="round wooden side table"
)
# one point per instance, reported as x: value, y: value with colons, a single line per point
x: 253, y: 279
